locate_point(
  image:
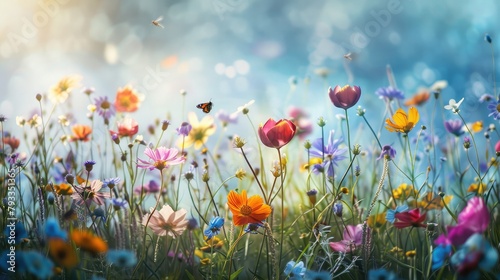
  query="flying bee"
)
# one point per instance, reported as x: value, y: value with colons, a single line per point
x: 156, y: 22
x: 348, y: 56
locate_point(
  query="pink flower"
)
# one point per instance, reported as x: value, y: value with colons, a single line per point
x: 497, y: 147
x: 353, y: 238
x: 474, y: 218
x: 88, y: 194
x: 166, y: 221
x: 160, y: 158
x: 412, y: 218
x: 344, y: 97
x: 127, y: 127
x: 301, y: 121
x: 276, y: 134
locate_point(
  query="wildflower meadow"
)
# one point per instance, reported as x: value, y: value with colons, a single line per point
x: 386, y: 184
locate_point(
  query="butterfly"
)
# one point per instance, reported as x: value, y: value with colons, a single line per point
x: 205, y: 107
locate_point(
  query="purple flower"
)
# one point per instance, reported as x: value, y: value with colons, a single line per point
x: 353, y: 236
x: 486, y: 98
x: 104, y: 108
x: 337, y: 209
x: 160, y: 158
x: 331, y: 153
x: 111, y: 182
x: 494, y: 107
x: 184, y: 129
x: 89, y: 164
x: 389, y: 93
x: 252, y: 228
x: 387, y: 151
x: 226, y: 118
x: 344, y: 97
x: 119, y: 203
x: 454, y: 127
x: 151, y: 187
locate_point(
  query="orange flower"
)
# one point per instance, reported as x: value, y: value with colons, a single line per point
x: 63, y: 253
x: 81, y: 132
x: 247, y: 210
x: 418, y: 99
x: 377, y: 220
x: 63, y: 189
x: 127, y: 100
x: 403, y: 122
x: 89, y: 242
x: 431, y: 201
x: 13, y: 142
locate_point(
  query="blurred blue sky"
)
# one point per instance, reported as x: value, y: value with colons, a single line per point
x: 232, y: 51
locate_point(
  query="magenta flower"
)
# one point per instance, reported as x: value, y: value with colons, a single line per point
x: 151, y: 187
x: 412, y: 218
x: 497, y: 147
x: 344, y: 97
x: 301, y: 120
x: 474, y: 218
x: 160, y: 158
x: 353, y: 238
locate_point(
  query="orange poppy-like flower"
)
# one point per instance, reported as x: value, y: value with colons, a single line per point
x: 13, y: 142
x: 63, y: 189
x: 402, y: 122
x: 127, y: 100
x: 87, y: 241
x: 418, y: 99
x: 62, y: 253
x: 81, y: 132
x: 247, y: 210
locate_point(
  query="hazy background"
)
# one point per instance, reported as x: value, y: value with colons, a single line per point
x: 232, y: 51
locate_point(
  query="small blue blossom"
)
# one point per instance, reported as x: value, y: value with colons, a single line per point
x: 121, y: 258
x: 439, y: 255
x: 252, y: 228
x: 337, y: 209
x: 331, y: 154
x: 119, y: 203
x: 494, y: 107
x: 389, y: 93
x: 110, y: 182
x: 390, y: 216
x: 295, y: 270
x: 99, y: 213
x: 53, y: 230
x: 214, y: 227
x: 89, y: 164
x: 454, y: 127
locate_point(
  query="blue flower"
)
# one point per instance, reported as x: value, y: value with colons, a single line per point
x: 53, y: 230
x: 17, y: 232
x: 214, y: 227
x: 439, y: 255
x: 295, y: 270
x: 494, y: 107
x: 381, y: 273
x: 389, y: 93
x: 337, y: 209
x: 111, y: 182
x: 38, y: 265
x: 118, y: 203
x: 331, y: 153
x: 476, y: 254
x: 89, y: 164
x: 454, y: 127
x: 390, y: 216
x: 252, y: 228
x: 121, y: 258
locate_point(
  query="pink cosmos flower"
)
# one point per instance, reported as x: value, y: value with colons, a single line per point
x: 160, y: 158
x: 412, y: 218
x: 88, y: 194
x: 166, y: 221
x: 474, y: 218
x: 353, y: 238
x: 344, y: 97
x: 127, y: 127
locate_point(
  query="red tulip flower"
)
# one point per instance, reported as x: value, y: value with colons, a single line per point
x: 344, y: 97
x: 277, y: 134
x: 412, y: 218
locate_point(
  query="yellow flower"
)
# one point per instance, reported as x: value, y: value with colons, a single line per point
x: 476, y: 127
x: 212, y: 244
x: 404, y: 191
x: 431, y: 201
x: 479, y: 188
x: 200, y: 131
x: 59, y: 92
x: 403, y: 122
x: 312, y: 162
x: 377, y: 220
x: 411, y: 254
